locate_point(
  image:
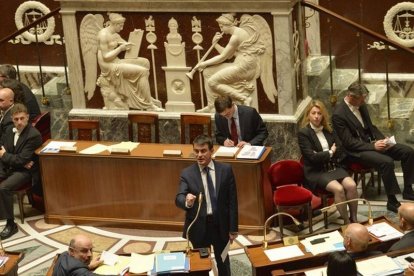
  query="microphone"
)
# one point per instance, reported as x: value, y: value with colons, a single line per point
x: 275, y: 215
x: 200, y: 200
x: 370, y: 219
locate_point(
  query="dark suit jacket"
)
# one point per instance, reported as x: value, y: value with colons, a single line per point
x: 30, y: 102
x: 5, y: 123
x: 355, y: 138
x: 252, y: 128
x: 66, y: 265
x: 406, y: 241
x: 17, y: 156
x: 226, y: 192
x: 315, y: 160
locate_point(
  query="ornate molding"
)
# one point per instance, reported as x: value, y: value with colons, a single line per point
x: 403, y: 35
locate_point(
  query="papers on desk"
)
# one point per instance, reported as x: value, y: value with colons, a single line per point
x: 250, y: 152
x: 129, y: 146
x: 226, y: 152
x: 141, y: 263
x: 316, y: 272
x: 324, y: 243
x: 121, y: 147
x: 378, y: 266
x: 401, y: 261
x: 113, y: 264
x: 384, y: 232
x: 54, y: 146
x: 95, y: 149
x: 175, y: 262
x: 283, y: 252
x: 225, y: 252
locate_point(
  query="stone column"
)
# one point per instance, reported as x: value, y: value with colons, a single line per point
x: 74, y: 58
x: 284, y: 56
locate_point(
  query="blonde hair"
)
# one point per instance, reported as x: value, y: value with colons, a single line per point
x: 325, y: 117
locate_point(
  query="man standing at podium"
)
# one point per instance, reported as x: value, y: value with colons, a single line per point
x: 217, y: 223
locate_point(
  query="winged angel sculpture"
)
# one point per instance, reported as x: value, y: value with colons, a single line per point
x: 251, y: 45
x: 124, y: 82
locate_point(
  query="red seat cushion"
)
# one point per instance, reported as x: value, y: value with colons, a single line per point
x: 289, y: 195
x: 356, y: 167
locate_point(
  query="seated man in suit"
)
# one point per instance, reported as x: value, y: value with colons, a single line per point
x: 78, y: 259
x: 17, y: 159
x: 406, y: 214
x: 8, y: 78
x: 6, y: 104
x: 237, y: 125
x: 356, y: 240
x: 364, y: 143
x: 217, y: 223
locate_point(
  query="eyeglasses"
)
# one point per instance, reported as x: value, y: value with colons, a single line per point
x: 83, y: 250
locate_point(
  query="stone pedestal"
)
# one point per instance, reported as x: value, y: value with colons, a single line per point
x: 178, y: 93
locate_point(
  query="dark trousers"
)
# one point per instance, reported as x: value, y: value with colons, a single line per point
x: 212, y: 237
x: 7, y: 185
x: 384, y: 163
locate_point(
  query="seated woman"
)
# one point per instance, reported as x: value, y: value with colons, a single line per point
x: 341, y: 263
x: 322, y: 156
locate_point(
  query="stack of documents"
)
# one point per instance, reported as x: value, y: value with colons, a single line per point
x: 223, y: 151
x: 113, y: 264
x: 175, y: 262
x: 251, y: 152
x: 379, y: 266
x: 324, y: 243
x: 384, y: 232
x: 55, y: 146
x: 283, y: 252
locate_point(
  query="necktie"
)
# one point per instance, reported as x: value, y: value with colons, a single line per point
x: 233, y: 133
x: 211, y: 190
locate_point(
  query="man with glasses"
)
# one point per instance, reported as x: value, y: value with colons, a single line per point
x: 365, y: 144
x: 78, y: 260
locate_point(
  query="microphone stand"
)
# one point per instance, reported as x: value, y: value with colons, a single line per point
x: 271, y: 217
x: 188, y: 248
x: 370, y: 219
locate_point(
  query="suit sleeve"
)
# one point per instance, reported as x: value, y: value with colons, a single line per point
x: 183, y: 190
x: 260, y: 132
x: 307, y: 149
x: 220, y: 130
x: 349, y: 141
x: 18, y: 160
x: 234, y: 213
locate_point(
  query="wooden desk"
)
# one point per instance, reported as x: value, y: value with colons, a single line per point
x: 138, y: 190
x: 392, y: 254
x: 11, y: 266
x: 261, y: 265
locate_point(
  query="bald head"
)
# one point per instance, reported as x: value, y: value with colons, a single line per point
x: 6, y: 98
x: 356, y: 238
x: 80, y: 247
x: 406, y: 214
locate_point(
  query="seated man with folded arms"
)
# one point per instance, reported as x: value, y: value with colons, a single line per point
x: 17, y: 162
x: 77, y: 261
x: 406, y: 215
x: 356, y: 240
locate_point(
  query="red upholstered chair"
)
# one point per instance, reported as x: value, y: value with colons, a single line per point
x: 42, y: 123
x: 326, y: 197
x: 358, y: 171
x: 286, y: 178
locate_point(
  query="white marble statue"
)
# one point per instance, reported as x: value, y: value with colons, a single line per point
x: 251, y: 45
x: 124, y: 82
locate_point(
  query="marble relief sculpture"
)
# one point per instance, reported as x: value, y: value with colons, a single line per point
x: 124, y: 82
x: 251, y: 45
